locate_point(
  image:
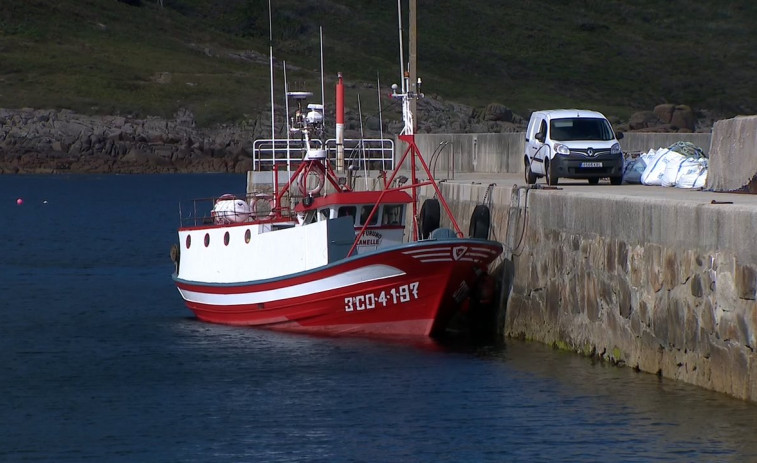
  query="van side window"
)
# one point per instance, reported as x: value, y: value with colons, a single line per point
x: 543, y: 128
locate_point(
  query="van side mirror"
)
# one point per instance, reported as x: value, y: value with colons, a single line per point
x: 540, y: 136
x: 619, y: 135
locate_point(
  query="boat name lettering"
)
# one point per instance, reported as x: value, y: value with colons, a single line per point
x: 370, y: 238
x: 393, y: 296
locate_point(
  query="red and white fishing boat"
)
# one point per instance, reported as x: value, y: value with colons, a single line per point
x: 338, y: 261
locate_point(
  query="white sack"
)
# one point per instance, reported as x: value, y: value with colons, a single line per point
x: 673, y: 163
x: 655, y: 169
x: 633, y: 169
x: 692, y: 174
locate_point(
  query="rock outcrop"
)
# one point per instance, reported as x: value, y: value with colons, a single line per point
x: 50, y: 141
x: 59, y: 141
x: 665, y: 118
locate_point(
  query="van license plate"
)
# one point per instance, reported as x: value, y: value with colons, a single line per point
x: 591, y: 164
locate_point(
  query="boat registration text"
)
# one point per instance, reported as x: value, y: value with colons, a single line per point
x: 368, y: 301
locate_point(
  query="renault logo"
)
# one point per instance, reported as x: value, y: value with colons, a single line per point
x: 590, y: 152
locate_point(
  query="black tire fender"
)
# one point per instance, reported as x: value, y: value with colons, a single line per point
x: 480, y: 222
x: 176, y: 256
x: 429, y: 217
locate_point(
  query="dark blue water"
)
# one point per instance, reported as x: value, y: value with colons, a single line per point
x: 101, y: 362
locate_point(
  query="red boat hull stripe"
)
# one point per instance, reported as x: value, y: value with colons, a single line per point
x: 341, y: 280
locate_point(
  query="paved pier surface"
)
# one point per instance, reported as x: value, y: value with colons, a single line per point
x: 604, y: 188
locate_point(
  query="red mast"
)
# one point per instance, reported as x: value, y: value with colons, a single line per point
x: 339, y: 124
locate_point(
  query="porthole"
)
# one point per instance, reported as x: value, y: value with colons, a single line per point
x: 207, y: 239
x: 189, y: 241
x: 247, y: 236
x: 226, y: 239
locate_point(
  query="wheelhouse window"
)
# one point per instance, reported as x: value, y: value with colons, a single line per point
x: 310, y: 217
x: 392, y: 214
x: 345, y: 211
x: 365, y: 212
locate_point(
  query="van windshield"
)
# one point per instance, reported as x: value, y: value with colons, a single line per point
x: 580, y: 128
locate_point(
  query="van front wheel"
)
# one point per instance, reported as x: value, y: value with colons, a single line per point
x: 551, y: 175
x: 530, y: 175
x: 616, y: 180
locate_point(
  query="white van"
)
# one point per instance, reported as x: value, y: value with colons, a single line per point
x: 572, y: 143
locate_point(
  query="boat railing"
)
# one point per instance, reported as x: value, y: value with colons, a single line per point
x: 268, y: 152
x: 260, y: 207
x: 365, y: 153
x: 360, y: 154
x: 196, y: 212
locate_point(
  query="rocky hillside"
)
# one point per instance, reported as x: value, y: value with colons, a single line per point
x: 138, y: 82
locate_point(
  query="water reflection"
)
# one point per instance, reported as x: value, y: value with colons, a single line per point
x: 517, y: 401
x: 683, y: 422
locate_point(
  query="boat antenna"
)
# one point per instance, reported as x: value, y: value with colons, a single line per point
x: 270, y: 53
x: 286, y: 106
x: 274, y: 172
x: 323, y: 90
x: 381, y: 121
x: 404, y: 94
x: 402, y: 58
x: 362, y: 143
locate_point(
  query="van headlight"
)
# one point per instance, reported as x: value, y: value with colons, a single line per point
x: 562, y: 149
x: 615, y: 149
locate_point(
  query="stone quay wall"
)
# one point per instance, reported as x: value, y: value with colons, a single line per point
x: 665, y: 287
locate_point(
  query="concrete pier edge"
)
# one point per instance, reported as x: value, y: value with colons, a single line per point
x: 661, y: 285
x: 640, y: 283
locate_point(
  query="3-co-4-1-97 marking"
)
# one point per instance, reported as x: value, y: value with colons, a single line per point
x: 393, y: 296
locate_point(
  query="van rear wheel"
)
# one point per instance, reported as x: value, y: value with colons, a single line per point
x: 551, y: 175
